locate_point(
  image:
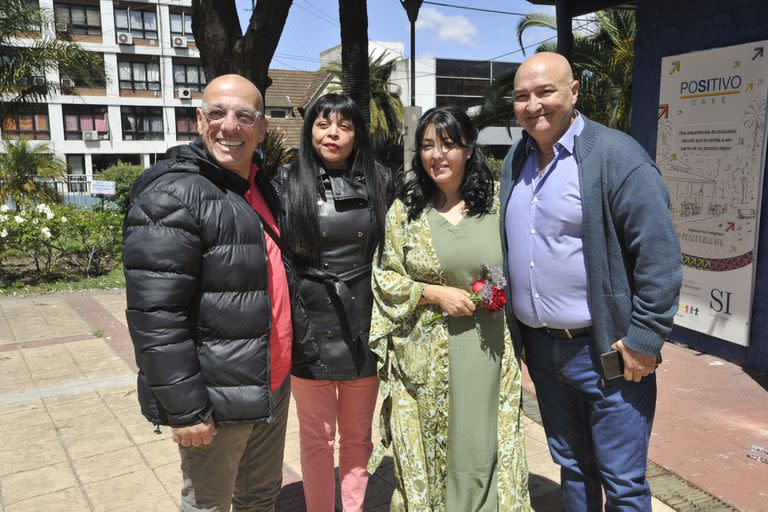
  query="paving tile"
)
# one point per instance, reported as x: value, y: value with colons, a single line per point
x: 121, y: 399
x: 43, y: 317
x: 32, y: 483
x: 68, y: 500
x: 65, y: 406
x: 92, y: 434
x: 33, y: 454
x: 140, y: 490
x: 14, y: 375
x: 6, y: 335
x: 17, y: 416
x: 109, y: 465
x: 51, y: 363
x: 170, y: 476
x: 160, y: 453
x: 114, y: 303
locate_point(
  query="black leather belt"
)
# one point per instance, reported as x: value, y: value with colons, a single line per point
x: 567, y: 334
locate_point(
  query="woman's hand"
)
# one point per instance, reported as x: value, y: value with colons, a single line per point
x: 453, y: 301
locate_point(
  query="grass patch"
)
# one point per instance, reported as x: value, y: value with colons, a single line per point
x: 19, y: 283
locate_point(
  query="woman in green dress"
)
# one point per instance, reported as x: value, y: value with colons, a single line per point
x: 452, y: 386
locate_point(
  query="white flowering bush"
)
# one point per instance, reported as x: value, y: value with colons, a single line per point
x: 50, y: 234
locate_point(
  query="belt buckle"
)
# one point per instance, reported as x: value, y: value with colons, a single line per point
x: 568, y: 333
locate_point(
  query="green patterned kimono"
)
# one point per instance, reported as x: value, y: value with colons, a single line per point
x: 414, y: 376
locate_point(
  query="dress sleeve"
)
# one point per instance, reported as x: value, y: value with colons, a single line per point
x: 396, y: 294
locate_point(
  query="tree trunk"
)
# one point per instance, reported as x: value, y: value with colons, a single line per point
x: 353, y: 18
x: 223, y: 47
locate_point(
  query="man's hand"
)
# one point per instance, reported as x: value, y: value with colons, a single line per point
x: 453, y: 301
x: 636, y: 364
x: 195, y: 435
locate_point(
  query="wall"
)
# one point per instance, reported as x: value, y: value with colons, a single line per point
x: 670, y: 28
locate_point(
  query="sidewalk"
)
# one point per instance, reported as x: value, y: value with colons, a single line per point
x: 74, y: 440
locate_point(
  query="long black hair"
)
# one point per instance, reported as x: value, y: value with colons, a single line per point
x: 477, y: 188
x: 302, y: 223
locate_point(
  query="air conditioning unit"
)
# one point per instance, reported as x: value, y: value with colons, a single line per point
x: 124, y: 38
x: 184, y: 93
x: 61, y: 27
x: 179, y: 42
x: 91, y: 135
x: 38, y: 80
x: 67, y: 82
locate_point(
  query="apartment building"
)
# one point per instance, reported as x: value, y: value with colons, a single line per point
x: 154, y: 81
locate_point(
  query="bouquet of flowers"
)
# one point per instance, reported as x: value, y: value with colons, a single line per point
x: 488, y: 291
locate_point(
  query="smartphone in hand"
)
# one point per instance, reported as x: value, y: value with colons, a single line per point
x: 613, y: 364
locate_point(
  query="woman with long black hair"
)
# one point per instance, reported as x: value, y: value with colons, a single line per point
x: 335, y: 199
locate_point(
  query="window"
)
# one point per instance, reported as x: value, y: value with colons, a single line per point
x: 186, y: 124
x: 462, y: 86
x: 189, y: 75
x: 79, y: 19
x: 77, y: 181
x: 142, y: 24
x: 28, y: 121
x: 181, y: 25
x: 85, y: 118
x: 139, y: 76
x: 463, y: 68
x: 142, y: 123
x: 277, y: 113
x: 85, y: 77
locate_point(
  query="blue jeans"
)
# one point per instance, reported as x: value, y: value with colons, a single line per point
x: 598, y: 432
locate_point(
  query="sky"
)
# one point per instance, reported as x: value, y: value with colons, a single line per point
x: 443, y: 32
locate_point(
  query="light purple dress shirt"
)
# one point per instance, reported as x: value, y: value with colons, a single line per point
x: 543, y: 223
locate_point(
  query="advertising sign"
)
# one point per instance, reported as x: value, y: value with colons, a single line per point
x: 710, y: 148
x: 102, y: 188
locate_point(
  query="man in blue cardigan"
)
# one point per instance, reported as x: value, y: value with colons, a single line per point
x: 593, y: 263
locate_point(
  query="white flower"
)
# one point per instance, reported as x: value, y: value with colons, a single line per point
x: 19, y: 219
x: 46, y: 232
x: 42, y: 207
x: 3, y: 218
x: 4, y: 208
x: 34, y: 221
x: 49, y: 215
x: 3, y: 233
x: 63, y: 219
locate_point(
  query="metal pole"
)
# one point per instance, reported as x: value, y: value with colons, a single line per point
x: 413, y: 63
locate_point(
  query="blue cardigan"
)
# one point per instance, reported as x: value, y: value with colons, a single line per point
x: 631, y: 251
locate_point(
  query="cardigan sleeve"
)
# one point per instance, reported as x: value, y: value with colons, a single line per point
x: 641, y: 209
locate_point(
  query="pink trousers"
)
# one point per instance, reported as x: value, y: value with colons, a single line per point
x: 320, y: 404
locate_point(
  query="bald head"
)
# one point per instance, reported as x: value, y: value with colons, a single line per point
x: 231, y: 138
x: 545, y: 98
x: 554, y: 65
x: 226, y: 85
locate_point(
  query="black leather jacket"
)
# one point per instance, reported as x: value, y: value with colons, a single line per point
x: 331, y: 304
x: 196, y: 284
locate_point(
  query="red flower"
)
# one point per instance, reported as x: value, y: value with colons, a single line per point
x: 478, y: 286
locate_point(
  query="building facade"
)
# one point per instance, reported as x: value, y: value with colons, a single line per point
x: 154, y: 81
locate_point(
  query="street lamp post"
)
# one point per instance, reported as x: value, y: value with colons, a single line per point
x: 411, y: 114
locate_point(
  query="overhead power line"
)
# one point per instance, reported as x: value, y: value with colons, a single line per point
x: 477, y: 9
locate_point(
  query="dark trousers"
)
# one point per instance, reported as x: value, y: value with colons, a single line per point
x: 597, y: 432
x: 242, y: 468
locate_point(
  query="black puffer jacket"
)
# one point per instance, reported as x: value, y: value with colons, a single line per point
x: 196, y: 283
x: 331, y: 304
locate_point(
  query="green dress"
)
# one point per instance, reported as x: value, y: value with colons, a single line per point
x: 433, y: 374
x: 475, y: 347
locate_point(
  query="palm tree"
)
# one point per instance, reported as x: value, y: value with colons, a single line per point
x: 19, y: 65
x: 355, y: 77
x: 386, y: 107
x: 602, y: 62
x: 26, y: 172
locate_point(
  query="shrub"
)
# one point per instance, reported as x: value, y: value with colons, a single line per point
x: 83, y: 239
x: 494, y: 164
x: 123, y: 174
